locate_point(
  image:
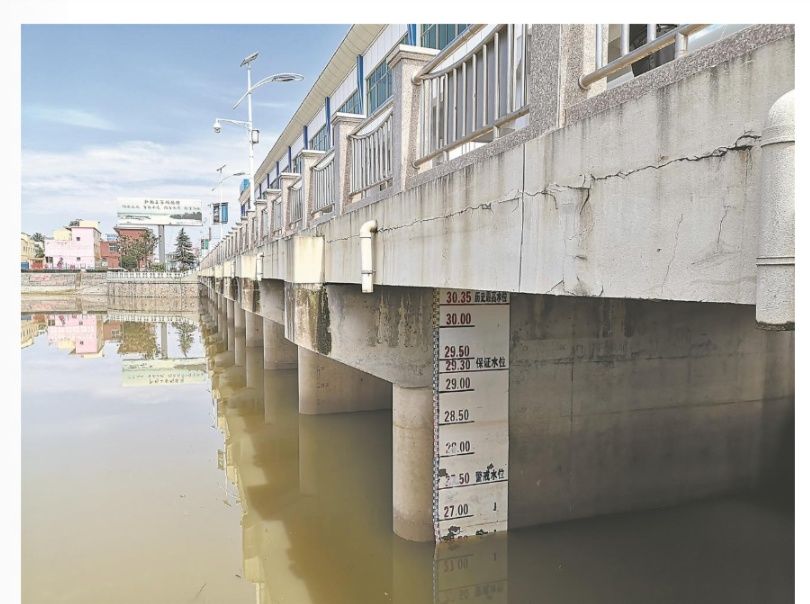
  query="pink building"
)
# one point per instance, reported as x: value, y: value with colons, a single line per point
x: 75, y: 246
x: 79, y: 334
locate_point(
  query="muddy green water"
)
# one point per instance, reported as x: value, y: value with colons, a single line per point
x: 162, y: 463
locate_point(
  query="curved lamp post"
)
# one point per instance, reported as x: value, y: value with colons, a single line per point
x: 253, y: 135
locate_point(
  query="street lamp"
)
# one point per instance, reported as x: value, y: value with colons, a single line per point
x: 222, y: 179
x: 253, y: 135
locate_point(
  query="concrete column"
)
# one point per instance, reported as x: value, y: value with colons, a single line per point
x: 262, y: 222
x: 239, y: 317
x: 326, y: 386
x: 253, y: 329
x: 230, y: 336
x: 342, y: 126
x: 281, y: 397
x: 279, y: 352
x: 413, y: 463
x: 239, y: 347
x: 286, y: 181
x: 222, y: 327
x: 230, y: 308
x: 254, y: 376
x: 310, y: 158
x: 405, y: 62
x: 558, y: 81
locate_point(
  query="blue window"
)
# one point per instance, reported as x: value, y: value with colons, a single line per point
x: 352, y: 104
x: 379, y: 86
x: 320, y: 142
x: 439, y: 35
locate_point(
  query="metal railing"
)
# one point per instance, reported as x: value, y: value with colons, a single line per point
x: 627, y: 58
x: 323, y: 183
x: 371, y: 156
x: 126, y: 276
x: 467, y: 101
x: 296, y: 202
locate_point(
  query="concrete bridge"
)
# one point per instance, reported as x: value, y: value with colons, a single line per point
x: 614, y: 249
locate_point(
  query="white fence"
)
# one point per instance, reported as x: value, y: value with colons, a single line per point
x: 371, y: 157
x: 323, y: 183
x: 296, y: 202
x: 466, y: 101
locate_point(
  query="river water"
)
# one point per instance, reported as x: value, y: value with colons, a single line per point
x: 162, y: 463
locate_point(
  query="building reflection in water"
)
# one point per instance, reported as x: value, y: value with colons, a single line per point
x: 31, y: 325
x: 316, y: 498
x: 80, y: 334
x: 84, y: 334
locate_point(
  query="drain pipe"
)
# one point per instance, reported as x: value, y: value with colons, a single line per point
x: 259, y: 266
x: 776, y: 263
x: 366, y: 257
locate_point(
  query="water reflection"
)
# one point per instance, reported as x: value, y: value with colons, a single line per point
x: 316, y: 498
x: 121, y: 497
x: 31, y: 326
x: 313, y: 494
x: 85, y: 334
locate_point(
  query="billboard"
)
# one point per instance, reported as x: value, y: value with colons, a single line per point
x: 163, y: 372
x: 220, y: 213
x: 140, y: 211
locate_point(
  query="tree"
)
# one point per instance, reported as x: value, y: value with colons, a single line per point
x: 185, y: 334
x: 136, y: 250
x: 138, y: 338
x: 183, y: 253
x: 39, y: 244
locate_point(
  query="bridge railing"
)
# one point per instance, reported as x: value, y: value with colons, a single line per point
x: 650, y: 40
x: 371, y: 149
x: 477, y: 90
x: 145, y: 276
x: 276, y: 219
x: 323, y: 184
x: 296, y: 203
x: 463, y: 105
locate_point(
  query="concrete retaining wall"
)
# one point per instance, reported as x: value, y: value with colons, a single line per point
x: 74, y: 283
x: 65, y: 291
x: 182, y: 297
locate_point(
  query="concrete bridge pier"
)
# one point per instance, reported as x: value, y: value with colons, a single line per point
x: 279, y: 352
x: 412, y: 448
x: 239, y: 317
x: 231, y: 333
x: 253, y: 329
x: 239, y: 347
x: 280, y: 395
x: 222, y: 325
x: 328, y: 386
x: 230, y: 307
x: 254, y: 374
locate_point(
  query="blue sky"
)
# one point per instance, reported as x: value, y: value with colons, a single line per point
x: 126, y: 110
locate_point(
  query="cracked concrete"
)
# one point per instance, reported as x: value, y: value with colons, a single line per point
x: 590, y: 208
